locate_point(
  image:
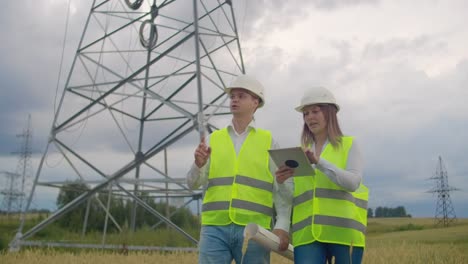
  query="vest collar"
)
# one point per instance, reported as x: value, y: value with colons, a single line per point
x: 249, y: 127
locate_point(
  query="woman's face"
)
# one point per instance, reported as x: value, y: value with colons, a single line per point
x: 314, y: 119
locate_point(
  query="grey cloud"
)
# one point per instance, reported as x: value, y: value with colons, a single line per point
x: 336, y: 4
x: 16, y: 102
x: 406, y: 152
x: 400, y: 114
x: 258, y: 17
x: 404, y: 48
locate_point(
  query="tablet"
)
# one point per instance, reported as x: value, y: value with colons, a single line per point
x: 294, y: 158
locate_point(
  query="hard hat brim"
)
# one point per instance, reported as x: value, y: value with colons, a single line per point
x: 261, y: 103
x: 301, y: 107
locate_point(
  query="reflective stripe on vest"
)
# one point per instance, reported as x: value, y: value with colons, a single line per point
x: 330, y: 220
x: 236, y: 203
x: 330, y: 194
x: 247, y: 196
x: 324, y: 211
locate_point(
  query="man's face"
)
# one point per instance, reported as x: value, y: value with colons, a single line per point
x: 242, y: 101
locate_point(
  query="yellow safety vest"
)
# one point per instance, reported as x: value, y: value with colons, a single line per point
x: 325, y: 212
x: 240, y: 187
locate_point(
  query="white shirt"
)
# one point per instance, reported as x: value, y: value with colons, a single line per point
x: 282, y: 198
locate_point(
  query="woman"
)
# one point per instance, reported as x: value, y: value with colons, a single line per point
x: 329, y: 208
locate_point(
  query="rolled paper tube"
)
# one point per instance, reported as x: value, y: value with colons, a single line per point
x: 267, y: 239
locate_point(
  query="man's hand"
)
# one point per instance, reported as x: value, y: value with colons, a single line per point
x: 202, y: 153
x: 284, y: 239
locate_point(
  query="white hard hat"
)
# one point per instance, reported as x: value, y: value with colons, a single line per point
x: 317, y: 95
x: 248, y: 83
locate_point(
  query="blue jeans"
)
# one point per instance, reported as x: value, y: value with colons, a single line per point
x: 222, y: 244
x: 318, y: 252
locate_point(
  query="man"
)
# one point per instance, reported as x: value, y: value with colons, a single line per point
x: 234, y: 166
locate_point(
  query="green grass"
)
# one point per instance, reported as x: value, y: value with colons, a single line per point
x: 52, y: 233
x: 416, y: 240
x: 389, y: 240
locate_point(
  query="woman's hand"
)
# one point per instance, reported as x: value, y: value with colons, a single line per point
x: 283, y: 173
x: 311, y: 156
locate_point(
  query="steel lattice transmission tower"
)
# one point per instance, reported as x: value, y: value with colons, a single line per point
x: 18, y: 183
x: 11, y: 194
x: 146, y: 74
x: 24, y: 167
x: 445, y: 213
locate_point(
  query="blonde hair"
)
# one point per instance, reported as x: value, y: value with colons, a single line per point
x: 333, y: 127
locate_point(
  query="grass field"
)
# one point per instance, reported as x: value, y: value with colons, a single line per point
x: 391, y: 240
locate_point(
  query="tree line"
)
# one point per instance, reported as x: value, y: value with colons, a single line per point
x: 120, y: 208
x: 398, y: 211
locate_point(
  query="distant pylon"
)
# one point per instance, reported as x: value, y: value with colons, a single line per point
x: 445, y: 213
x: 24, y: 167
x: 14, y: 189
x: 10, y: 193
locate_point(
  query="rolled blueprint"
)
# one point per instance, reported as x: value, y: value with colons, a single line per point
x: 267, y: 239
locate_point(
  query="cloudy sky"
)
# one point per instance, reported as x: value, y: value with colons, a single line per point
x: 399, y: 70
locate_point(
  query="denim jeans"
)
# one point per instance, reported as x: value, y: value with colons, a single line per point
x: 222, y: 244
x: 318, y: 252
